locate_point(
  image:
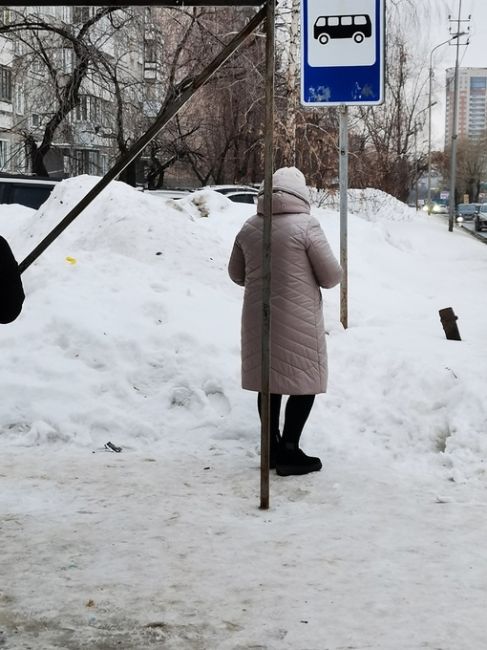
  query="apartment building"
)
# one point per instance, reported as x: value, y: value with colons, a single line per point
x: 34, y: 66
x: 472, y: 103
x: 137, y: 55
x: 7, y: 99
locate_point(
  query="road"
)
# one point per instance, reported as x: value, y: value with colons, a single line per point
x: 469, y: 227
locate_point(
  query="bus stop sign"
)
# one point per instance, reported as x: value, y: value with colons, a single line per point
x: 342, y: 52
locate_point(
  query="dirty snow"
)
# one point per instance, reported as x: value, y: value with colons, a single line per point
x: 130, y: 334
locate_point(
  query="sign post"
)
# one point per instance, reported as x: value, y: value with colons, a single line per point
x: 342, y: 64
x: 343, y: 172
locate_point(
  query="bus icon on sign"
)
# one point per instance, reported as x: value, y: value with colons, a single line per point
x: 356, y: 26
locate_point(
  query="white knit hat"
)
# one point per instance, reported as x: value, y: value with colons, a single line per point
x: 290, y: 180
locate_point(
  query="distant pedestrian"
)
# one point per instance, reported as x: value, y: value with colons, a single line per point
x: 11, y: 290
x: 302, y: 262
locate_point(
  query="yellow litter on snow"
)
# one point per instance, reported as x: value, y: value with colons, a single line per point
x: 71, y: 260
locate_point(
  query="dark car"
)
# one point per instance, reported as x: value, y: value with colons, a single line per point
x: 466, y: 211
x: 30, y: 191
x: 481, y: 218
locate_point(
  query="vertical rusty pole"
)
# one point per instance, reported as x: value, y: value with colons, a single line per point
x: 344, y: 214
x: 266, y: 256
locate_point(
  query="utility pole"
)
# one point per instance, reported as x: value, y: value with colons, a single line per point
x: 454, y: 134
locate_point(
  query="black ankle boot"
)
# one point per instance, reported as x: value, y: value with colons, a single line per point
x: 291, y: 460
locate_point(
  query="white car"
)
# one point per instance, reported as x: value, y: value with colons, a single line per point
x: 168, y: 194
x: 236, y: 193
x: 437, y: 207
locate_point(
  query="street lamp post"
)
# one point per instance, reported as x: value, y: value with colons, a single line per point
x: 430, y: 104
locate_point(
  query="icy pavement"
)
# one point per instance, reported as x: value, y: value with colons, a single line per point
x: 170, y: 550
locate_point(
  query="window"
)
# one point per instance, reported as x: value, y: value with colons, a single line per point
x: 19, y: 100
x: 63, y: 13
x: 93, y: 162
x: 19, y: 47
x: 5, y: 84
x: 3, y: 154
x: 150, y: 47
x: 346, y: 20
x: 82, y: 109
x: 5, y: 16
x: 17, y: 157
x: 333, y: 21
x: 86, y: 162
x: 360, y: 20
x: 95, y: 112
x: 66, y: 58
x: 89, y: 109
x: 81, y: 14
x: 478, y: 82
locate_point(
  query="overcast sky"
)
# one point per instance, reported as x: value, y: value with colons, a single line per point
x: 475, y: 54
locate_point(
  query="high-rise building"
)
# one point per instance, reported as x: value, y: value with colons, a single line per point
x: 472, y: 103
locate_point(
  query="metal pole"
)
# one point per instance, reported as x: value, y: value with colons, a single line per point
x: 428, y: 197
x: 454, y: 136
x: 344, y: 214
x: 416, y: 203
x: 266, y: 256
x: 185, y: 91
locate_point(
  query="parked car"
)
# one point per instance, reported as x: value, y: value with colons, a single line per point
x: 236, y: 193
x: 30, y: 191
x: 466, y: 211
x: 481, y: 218
x: 168, y: 194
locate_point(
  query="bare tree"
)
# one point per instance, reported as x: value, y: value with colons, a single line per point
x: 221, y: 132
x: 44, y: 42
x: 387, y: 135
x: 471, y: 166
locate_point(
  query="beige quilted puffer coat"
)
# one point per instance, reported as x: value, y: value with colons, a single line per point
x: 302, y: 262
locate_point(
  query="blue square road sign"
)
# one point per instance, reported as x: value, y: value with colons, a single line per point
x: 342, y: 52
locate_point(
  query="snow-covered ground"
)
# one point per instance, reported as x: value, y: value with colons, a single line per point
x: 130, y: 334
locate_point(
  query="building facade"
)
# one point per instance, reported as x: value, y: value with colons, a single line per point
x: 472, y: 103
x: 35, y: 67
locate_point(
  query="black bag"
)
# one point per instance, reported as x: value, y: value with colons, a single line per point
x: 11, y: 289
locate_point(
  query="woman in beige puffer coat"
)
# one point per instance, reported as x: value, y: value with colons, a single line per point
x: 302, y: 262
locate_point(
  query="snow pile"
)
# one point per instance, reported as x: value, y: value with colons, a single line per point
x: 126, y: 341
x: 130, y: 333
x: 203, y: 203
x: 369, y: 203
x: 131, y: 330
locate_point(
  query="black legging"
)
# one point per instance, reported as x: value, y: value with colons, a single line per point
x: 298, y: 408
